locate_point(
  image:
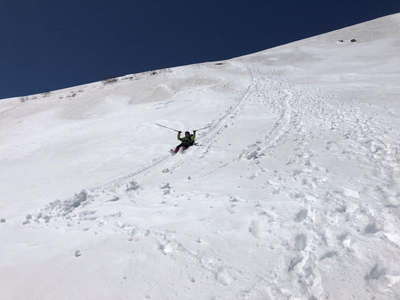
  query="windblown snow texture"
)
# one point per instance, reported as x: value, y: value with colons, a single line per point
x: 292, y: 193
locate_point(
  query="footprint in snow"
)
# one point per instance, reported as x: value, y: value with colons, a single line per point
x: 132, y: 186
x: 328, y: 254
x: 375, y: 273
x: 255, y: 229
x: 300, y: 242
x: 294, y: 262
x: 301, y: 215
x: 166, y: 188
x: 371, y: 228
x: 168, y: 248
x: 223, y: 277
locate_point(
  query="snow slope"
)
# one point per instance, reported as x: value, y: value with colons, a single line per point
x: 292, y: 193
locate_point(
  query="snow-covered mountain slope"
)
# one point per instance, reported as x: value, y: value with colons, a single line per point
x: 292, y: 193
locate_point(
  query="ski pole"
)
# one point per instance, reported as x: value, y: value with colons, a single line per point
x: 167, y: 127
x: 202, y: 128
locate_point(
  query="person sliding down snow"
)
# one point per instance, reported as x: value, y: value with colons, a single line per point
x: 187, y: 141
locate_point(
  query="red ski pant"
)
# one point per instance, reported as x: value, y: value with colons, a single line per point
x: 181, y: 146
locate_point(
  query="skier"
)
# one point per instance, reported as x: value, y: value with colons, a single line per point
x: 186, y: 142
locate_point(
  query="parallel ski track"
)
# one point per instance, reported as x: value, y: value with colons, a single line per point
x: 232, y: 113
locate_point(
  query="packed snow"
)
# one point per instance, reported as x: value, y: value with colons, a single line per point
x: 293, y: 191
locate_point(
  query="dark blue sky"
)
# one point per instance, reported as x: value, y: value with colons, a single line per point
x: 51, y: 44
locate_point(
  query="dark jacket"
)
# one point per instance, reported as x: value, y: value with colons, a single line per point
x: 187, y: 141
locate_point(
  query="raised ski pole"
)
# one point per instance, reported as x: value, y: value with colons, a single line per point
x: 167, y: 127
x: 202, y: 128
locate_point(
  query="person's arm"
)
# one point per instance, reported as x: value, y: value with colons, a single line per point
x: 194, y: 135
x: 179, y: 135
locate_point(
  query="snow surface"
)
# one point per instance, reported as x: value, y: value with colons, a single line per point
x: 292, y: 193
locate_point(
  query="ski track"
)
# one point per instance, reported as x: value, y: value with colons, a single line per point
x: 323, y: 209
x: 230, y: 115
x: 282, y: 106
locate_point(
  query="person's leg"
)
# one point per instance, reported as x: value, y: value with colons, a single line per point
x: 178, y: 148
x: 184, y: 147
